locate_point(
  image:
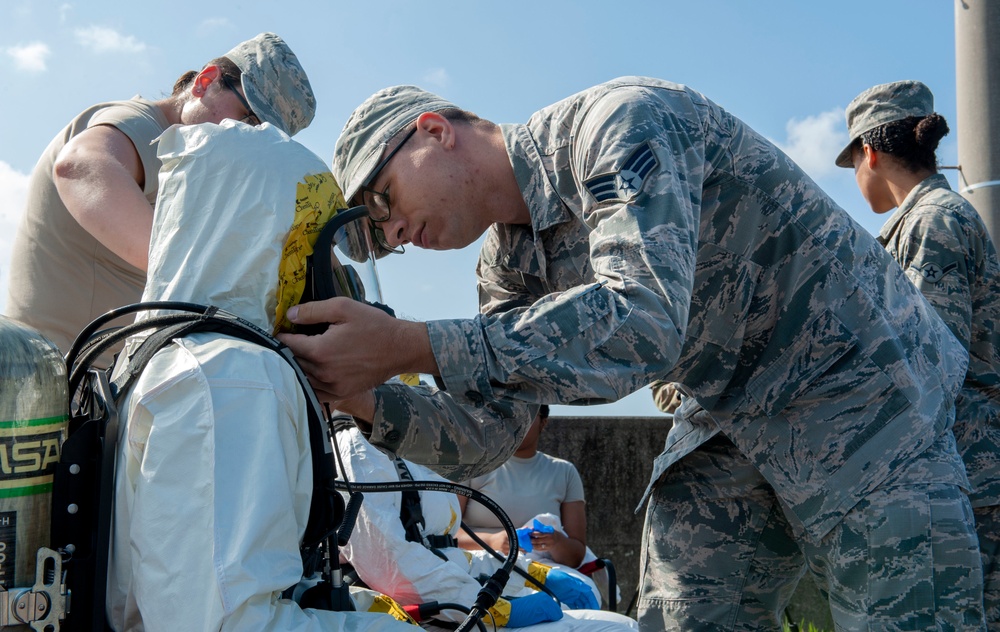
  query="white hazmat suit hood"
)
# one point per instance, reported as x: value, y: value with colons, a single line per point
x: 229, y: 195
x: 214, y: 475
x: 230, y: 255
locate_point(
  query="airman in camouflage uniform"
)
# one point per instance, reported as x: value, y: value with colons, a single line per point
x: 662, y: 238
x: 941, y: 243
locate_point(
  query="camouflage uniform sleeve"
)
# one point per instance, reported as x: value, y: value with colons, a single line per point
x: 501, y: 288
x: 935, y: 252
x: 458, y: 441
x: 599, y: 342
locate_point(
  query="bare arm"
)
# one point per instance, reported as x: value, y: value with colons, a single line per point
x: 566, y: 549
x: 497, y: 541
x: 100, y: 177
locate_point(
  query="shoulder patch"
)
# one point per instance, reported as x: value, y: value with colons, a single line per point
x: 625, y: 183
x: 932, y: 272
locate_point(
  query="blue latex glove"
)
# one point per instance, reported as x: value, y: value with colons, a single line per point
x: 572, y: 591
x: 524, y: 539
x: 531, y: 609
x: 524, y: 534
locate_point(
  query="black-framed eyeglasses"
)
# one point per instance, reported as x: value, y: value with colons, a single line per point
x: 250, y: 118
x: 379, y: 207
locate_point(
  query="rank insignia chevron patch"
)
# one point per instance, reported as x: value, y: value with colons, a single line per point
x: 933, y: 273
x: 625, y: 183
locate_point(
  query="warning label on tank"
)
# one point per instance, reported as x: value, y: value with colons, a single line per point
x: 8, y: 547
x: 29, y: 453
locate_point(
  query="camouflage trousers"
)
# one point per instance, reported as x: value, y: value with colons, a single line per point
x: 988, y: 528
x: 719, y: 554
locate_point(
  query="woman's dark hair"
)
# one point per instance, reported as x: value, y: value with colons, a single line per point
x: 228, y: 68
x: 543, y: 411
x: 912, y: 140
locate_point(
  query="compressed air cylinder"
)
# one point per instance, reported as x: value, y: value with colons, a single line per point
x: 34, y: 414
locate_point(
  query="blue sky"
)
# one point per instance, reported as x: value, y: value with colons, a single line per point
x: 788, y: 68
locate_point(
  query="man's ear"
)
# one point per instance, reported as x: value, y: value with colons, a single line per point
x: 438, y: 127
x: 208, y: 75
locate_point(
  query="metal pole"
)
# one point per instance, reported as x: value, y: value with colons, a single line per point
x: 977, y: 89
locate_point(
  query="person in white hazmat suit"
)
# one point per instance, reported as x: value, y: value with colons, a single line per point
x: 214, y: 474
x: 411, y: 573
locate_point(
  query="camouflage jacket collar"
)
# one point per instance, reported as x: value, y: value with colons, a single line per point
x: 545, y: 205
x: 930, y: 183
x: 547, y: 208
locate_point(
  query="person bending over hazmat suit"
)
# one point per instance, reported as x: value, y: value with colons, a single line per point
x: 637, y: 231
x: 214, y: 470
x: 434, y: 569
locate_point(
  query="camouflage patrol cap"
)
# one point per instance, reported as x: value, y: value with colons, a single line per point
x: 883, y: 104
x: 275, y: 84
x: 371, y: 126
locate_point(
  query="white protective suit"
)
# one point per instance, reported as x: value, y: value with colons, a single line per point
x: 411, y: 573
x: 214, y: 468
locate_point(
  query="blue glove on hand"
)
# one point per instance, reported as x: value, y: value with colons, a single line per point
x: 524, y: 539
x: 531, y: 609
x: 572, y: 591
x: 524, y: 534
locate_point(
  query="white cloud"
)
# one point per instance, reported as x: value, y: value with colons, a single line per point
x: 64, y: 11
x: 102, y: 39
x: 209, y: 26
x: 30, y: 57
x: 815, y: 141
x: 437, y: 77
x: 13, y: 195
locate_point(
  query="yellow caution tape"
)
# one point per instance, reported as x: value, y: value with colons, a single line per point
x: 317, y: 199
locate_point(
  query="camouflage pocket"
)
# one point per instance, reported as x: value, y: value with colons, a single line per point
x: 819, y: 345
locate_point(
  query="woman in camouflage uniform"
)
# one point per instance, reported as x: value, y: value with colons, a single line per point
x: 944, y: 248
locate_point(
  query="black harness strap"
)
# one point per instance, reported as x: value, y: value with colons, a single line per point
x: 322, y: 512
x: 410, y: 513
x: 144, y: 353
x: 318, y: 550
x: 412, y: 516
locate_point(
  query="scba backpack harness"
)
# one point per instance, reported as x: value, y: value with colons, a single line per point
x: 70, y: 592
x: 83, y: 488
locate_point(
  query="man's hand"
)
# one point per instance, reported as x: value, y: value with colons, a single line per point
x: 361, y: 348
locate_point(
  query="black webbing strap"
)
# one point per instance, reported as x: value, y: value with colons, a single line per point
x: 441, y: 541
x: 412, y: 516
x: 322, y: 510
x: 191, y: 318
x: 410, y: 513
x: 144, y: 353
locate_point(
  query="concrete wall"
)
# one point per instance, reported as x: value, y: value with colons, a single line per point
x: 615, y: 459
